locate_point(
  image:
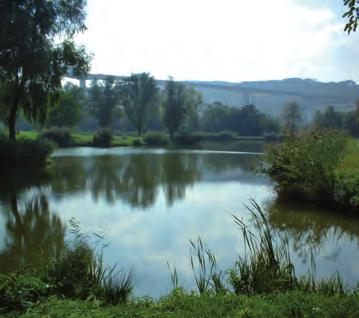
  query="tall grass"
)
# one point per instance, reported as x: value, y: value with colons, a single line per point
x: 264, y: 268
x: 80, y: 272
x: 204, y: 267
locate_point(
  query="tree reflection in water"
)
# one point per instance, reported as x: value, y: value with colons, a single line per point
x: 309, y: 228
x: 32, y: 232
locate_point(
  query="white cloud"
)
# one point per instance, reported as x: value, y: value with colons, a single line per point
x: 219, y: 40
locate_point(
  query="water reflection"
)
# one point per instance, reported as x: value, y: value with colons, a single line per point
x: 311, y: 229
x: 32, y: 232
x: 136, y: 179
x: 184, y: 194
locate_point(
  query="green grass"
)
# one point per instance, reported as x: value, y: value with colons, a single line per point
x: 85, y: 139
x: 291, y: 304
x: 28, y: 135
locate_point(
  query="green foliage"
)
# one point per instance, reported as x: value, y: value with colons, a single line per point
x: 203, y: 262
x: 155, y: 138
x: 103, y: 138
x: 175, y: 106
x: 222, y: 136
x: 246, y: 121
x: 352, y: 15
x: 104, y: 100
x: 291, y: 117
x: 59, y: 136
x: 139, y: 95
x: 351, y: 121
x: 187, y: 139
x: 267, y: 267
x: 20, y: 291
x: 67, y: 112
x: 24, y: 151
x: 181, y: 305
x: 32, y: 60
x: 305, y: 166
x: 329, y: 119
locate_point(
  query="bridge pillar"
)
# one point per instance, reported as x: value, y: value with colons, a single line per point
x: 82, y: 83
x: 246, y: 98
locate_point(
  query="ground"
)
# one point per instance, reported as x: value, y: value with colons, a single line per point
x: 291, y: 304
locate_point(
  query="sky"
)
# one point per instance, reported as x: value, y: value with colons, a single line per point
x: 228, y: 40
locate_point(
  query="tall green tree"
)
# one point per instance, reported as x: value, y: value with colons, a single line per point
x: 104, y: 101
x: 67, y: 112
x: 330, y: 118
x: 32, y: 59
x: 175, y: 106
x: 291, y: 117
x: 139, y: 97
x: 351, y: 121
x: 195, y: 100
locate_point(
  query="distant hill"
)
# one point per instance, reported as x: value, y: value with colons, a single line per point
x: 270, y: 96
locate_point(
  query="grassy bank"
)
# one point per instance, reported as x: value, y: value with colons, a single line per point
x: 86, y: 139
x: 291, y: 305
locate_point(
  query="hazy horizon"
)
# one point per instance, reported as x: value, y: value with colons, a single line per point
x: 215, y: 40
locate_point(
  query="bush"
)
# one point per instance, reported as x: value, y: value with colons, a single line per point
x: 25, y: 151
x: 305, y: 166
x: 103, y: 138
x: 220, y: 136
x: 156, y: 139
x: 136, y: 142
x: 20, y: 291
x: 187, y: 139
x: 60, y: 136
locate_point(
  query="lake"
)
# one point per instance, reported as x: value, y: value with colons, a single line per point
x: 148, y: 203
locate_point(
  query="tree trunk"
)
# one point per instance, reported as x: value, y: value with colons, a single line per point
x: 12, y: 120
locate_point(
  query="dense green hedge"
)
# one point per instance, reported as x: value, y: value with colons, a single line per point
x: 306, y: 167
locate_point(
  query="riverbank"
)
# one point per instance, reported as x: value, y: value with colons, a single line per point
x: 291, y: 304
x: 151, y: 139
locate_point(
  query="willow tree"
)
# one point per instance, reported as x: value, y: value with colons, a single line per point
x: 36, y: 51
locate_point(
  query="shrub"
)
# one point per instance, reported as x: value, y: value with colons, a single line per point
x: 187, y: 139
x: 60, y: 136
x: 304, y: 166
x: 26, y: 151
x: 156, y: 139
x: 136, y: 142
x: 222, y: 136
x: 20, y: 291
x: 80, y: 273
x: 103, y: 138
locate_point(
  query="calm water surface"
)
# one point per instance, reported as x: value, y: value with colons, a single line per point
x: 148, y: 203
